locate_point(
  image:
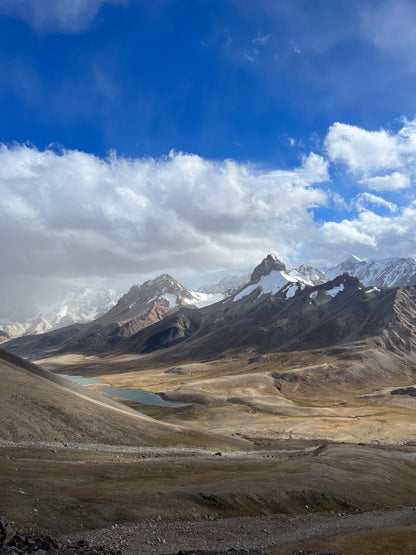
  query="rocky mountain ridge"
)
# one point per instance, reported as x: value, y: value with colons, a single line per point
x: 278, y: 311
x: 91, y: 304
x: 389, y: 272
x: 227, y: 286
x: 142, y: 306
x: 151, y: 301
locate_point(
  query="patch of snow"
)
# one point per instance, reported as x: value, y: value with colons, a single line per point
x: 309, y: 275
x: 335, y: 290
x: 313, y: 295
x: 62, y: 312
x: 389, y: 272
x: 373, y: 290
x: 200, y: 300
x: 291, y: 290
x: 295, y: 274
x: 172, y: 299
x: 272, y: 283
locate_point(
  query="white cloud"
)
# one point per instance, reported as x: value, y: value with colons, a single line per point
x: 370, y: 156
x: 392, y: 182
x: 361, y: 150
x: 369, y: 235
x: 346, y: 233
x: 314, y: 169
x: 363, y: 199
x: 56, y: 15
x: 73, y: 216
x: 381, y: 161
x: 70, y: 217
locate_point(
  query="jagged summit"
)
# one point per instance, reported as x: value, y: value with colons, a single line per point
x: 161, y: 286
x: 269, y: 264
x: 142, y: 306
x: 169, y: 290
x: 270, y: 277
x: 308, y: 274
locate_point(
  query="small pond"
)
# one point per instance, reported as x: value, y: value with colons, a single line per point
x: 136, y: 395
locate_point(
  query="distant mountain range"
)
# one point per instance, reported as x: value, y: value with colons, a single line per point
x: 142, y: 306
x: 150, y: 302
x: 227, y: 286
x: 90, y: 304
x: 390, y: 272
x: 276, y: 311
x: 81, y: 307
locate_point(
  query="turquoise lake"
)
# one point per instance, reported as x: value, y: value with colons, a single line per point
x: 136, y: 395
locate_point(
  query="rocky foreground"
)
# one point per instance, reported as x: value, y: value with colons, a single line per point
x: 17, y: 543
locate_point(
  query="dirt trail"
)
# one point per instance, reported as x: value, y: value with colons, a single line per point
x: 156, y: 451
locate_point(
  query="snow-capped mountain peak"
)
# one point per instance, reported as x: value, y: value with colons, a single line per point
x: 389, y: 272
x: 269, y: 264
x: 309, y: 275
x: 270, y: 277
x: 162, y: 287
x: 167, y: 288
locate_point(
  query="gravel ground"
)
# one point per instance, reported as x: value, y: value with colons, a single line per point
x: 265, y: 532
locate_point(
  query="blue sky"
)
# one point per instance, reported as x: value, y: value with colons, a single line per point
x: 219, y: 78
x: 195, y: 136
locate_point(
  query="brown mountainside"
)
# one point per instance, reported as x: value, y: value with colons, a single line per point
x: 37, y: 405
x: 142, y: 306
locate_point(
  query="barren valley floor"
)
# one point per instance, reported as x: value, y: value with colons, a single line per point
x: 326, y: 468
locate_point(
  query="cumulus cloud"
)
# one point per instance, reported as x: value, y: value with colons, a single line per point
x: 56, y: 15
x: 361, y: 150
x: 393, y: 235
x: 69, y: 215
x: 381, y: 161
x: 368, y: 235
x: 395, y: 181
x: 374, y: 152
x: 346, y: 233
